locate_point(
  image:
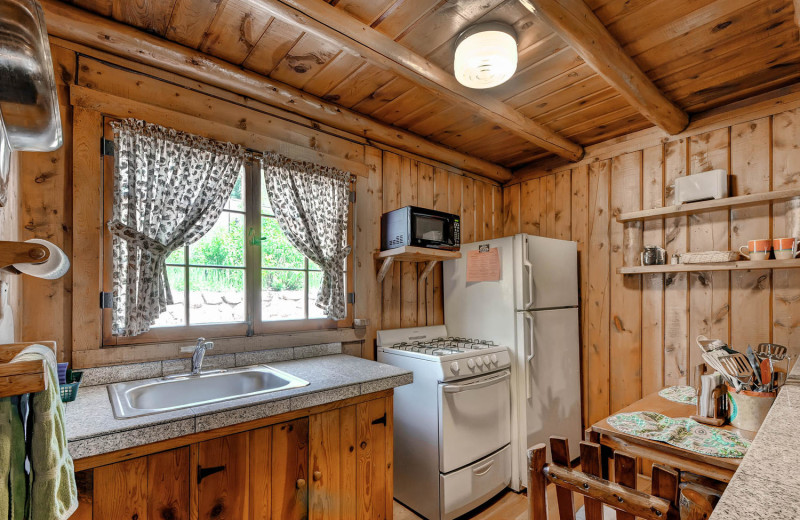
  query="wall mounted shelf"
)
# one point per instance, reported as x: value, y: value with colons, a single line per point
x: 22, y: 377
x: 413, y: 254
x: 691, y: 208
x: 718, y: 266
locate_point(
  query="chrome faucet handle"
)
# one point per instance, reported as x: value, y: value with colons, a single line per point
x: 190, y: 348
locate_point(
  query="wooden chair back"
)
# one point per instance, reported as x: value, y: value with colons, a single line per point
x: 620, y: 495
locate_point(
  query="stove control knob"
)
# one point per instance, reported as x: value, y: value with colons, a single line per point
x: 486, y: 360
x: 471, y: 363
x: 454, y: 367
x: 479, y: 361
x: 494, y: 358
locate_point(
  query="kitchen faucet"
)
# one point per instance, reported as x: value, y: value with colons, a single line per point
x: 198, y: 353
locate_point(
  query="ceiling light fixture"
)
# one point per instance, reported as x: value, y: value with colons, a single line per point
x: 486, y: 55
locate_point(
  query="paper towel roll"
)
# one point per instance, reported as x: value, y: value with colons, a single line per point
x: 54, y: 267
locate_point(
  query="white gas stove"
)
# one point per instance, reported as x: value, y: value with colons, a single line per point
x: 452, y: 424
x: 458, y: 358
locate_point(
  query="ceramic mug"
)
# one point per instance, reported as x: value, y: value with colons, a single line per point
x: 756, y: 249
x: 785, y: 248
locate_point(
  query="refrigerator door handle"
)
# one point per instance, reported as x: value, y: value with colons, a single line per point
x: 528, y: 267
x: 529, y: 352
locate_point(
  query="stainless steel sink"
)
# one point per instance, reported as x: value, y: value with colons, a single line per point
x: 137, y: 398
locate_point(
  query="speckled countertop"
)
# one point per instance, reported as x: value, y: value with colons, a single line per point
x: 92, y: 428
x: 767, y: 483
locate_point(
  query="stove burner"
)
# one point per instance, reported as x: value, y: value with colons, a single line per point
x: 444, y: 346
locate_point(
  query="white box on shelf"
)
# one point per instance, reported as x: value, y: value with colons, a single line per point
x: 708, y: 185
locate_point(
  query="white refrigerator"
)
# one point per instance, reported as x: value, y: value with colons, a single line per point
x: 532, y: 309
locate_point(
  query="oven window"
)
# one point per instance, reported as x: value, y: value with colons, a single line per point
x: 430, y: 228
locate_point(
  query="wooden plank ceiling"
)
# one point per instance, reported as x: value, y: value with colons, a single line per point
x: 700, y: 53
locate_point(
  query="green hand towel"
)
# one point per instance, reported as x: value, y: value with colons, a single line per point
x: 17, y: 479
x: 54, y: 494
x: 5, y: 456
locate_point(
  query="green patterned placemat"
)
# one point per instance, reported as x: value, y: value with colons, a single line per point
x: 679, y: 394
x: 682, y: 432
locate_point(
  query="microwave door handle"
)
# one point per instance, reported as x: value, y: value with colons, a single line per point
x: 454, y: 389
x: 529, y: 352
x: 526, y: 262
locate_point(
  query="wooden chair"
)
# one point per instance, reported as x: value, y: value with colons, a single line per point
x: 620, y: 495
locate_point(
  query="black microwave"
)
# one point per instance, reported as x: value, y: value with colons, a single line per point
x: 420, y: 227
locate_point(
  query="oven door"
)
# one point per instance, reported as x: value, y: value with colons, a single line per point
x: 432, y: 231
x: 474, y: 419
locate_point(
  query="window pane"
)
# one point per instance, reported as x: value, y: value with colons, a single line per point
x: 314, y: 284
x: 177, y: 257
x: 216, y: 295
x: 175, y: 314
x: 276, y: 251
x: 266, y: 207
x: 282, y: 295
x: 223, y: 245
x: 236, y: 202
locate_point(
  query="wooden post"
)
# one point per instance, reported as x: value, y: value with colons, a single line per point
x: 537, y: 483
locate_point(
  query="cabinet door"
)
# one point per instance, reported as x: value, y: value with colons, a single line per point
x: 374, y: 459
x: 221, y: 478
x: 332, y: 452
x: 155, y: 487
x: 289, y: 470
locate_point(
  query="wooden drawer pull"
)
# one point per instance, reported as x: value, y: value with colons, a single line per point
x: 301, y: 483
x: 317, y: 476
x: 205, y: 472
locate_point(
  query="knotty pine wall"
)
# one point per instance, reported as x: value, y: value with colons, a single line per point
x: 9, y: 230
x: 406, y: 302
x: 638, y: 331
x: 48, y: 186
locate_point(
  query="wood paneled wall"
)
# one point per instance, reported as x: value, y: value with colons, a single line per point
x: 9, y: 230
x: 406, y: 181
x: 638, y: 332
x: 49, y: 184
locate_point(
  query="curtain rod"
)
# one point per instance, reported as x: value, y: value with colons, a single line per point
x: 255, y: 155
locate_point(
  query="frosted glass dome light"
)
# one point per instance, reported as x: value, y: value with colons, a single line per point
x: 486, y: 55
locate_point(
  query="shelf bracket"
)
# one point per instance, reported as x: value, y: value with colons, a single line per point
x: 427, y: 271
x: 385, y: 266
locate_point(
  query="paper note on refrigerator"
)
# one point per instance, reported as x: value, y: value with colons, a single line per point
x: 483, y: 266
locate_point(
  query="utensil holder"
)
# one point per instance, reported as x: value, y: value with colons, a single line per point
x: 747, y: 410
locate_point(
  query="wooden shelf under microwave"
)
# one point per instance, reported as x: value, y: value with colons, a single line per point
x: 742, y: 265
x: 413, y: 254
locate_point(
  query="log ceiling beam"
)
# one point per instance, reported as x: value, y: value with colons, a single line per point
x: 79, y: 26
x: 577, y: 24
x: 335, y: 25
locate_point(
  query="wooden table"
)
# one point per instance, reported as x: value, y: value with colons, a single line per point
x: 717, y: 468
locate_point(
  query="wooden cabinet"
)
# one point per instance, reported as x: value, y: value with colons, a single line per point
x: 152, y: 487
x: 332, y: 465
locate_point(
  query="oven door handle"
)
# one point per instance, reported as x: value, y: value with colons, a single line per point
x: 452, y: 389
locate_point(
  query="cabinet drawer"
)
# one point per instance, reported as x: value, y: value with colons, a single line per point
x: 469, y: 487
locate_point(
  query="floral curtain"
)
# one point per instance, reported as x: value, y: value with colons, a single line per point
x: 169, y: 190
x: 311, y: 204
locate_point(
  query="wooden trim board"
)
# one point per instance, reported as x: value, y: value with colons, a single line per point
x: 690, y: 208
x: 745, y: 265
x: 115, y: 106
x: 146, y: 449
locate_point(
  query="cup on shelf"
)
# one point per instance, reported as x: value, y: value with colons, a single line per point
x: 756, y: 249
x: 785, y: 248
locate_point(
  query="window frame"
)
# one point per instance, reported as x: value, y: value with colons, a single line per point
x: 252, y: 326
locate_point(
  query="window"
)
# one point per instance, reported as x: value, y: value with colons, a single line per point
x: 234, y: 281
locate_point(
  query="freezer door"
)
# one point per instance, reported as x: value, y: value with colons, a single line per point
x: 482, y: 310
x: 547, y: 391
x: 548, y: 271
